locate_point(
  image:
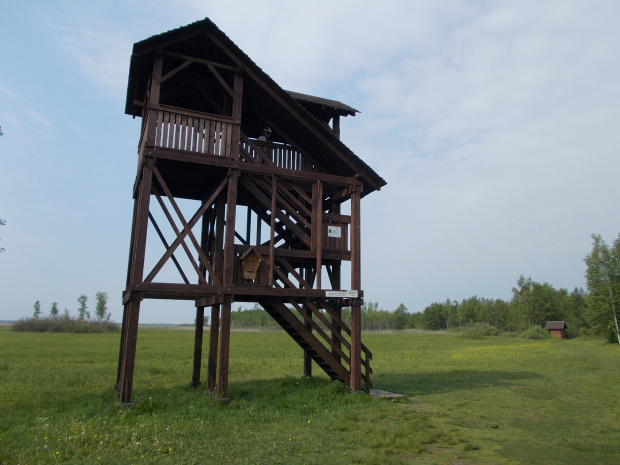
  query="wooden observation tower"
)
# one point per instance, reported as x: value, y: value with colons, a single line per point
x: 230, y: 218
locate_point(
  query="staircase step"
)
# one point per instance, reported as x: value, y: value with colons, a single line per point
x: 305, y: 339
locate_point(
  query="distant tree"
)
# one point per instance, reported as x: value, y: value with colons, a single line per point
x: 439, y: 315
x: 400, y: 317
x: 83, y: 309
x: 101, y: 309
x: 603, y: 281
x: 54, y: 310
x: 36, y: 309
x: 522, y: 303
x: 2, y: 223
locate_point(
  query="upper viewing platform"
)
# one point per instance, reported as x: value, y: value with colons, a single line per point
x: 199, y: 95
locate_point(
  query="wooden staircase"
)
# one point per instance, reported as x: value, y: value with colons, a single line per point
x: 315, y: 325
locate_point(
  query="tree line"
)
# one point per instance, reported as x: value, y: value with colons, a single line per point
x: 56, y: 322
x: 592, y: 312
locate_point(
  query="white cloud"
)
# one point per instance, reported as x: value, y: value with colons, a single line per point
x: 38, y: 118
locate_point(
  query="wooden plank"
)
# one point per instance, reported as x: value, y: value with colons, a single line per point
x: 198, y: 114
x: 213, y: 349
x: 298, y: 176
x: 221, y: 80
x: 198, y: 333
x: 224, y: 352
x: 229, y: 237
x: 177, y: 70
x: 273, y: 207
x: 298, y: 277
x: 164, y: 121
x: 356, y: 323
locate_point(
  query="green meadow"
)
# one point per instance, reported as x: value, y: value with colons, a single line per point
x: 495, y: 400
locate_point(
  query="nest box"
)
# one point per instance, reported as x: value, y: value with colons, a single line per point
x: 250, y: 261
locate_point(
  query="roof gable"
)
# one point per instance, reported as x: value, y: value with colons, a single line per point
x: 262, y: 97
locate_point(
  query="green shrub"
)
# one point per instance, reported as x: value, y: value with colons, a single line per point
x: 63, y: 324
x: 480, y: 330
x: 535, y: 332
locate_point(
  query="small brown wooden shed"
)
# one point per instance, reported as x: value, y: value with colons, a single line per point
x: 557, y: 329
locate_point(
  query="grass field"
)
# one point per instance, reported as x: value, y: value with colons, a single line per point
x: 497, y: 400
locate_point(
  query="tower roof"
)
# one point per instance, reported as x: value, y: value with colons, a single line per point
x: 293, y: 112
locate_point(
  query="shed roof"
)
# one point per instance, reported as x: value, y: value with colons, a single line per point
x: 203, y: 39
x: 334, y: 105
x: 556, y: 325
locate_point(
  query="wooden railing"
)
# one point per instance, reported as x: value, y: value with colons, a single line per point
x: 193, y: 132
x: 177, y: 129
x: 275, y: 154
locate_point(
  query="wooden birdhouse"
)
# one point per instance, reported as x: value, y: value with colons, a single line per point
x: 250, y: 261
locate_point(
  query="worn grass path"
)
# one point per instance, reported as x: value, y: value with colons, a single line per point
x: 496, y: 400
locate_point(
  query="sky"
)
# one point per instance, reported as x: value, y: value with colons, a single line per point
x: 496, y: 125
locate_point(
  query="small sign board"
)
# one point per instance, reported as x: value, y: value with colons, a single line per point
x: 350, y: 294
x: 334, y: 231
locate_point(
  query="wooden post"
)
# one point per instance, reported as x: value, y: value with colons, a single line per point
x: 200, y: 311
x: 154, y: 100
x: 229, y: 260
x: 218, y: 265
x: 336, y: 126
x: 317, y: 228
x: 198, y: 334
x: 224, y: 353
x: 214, y: 337
x: 132, y: 307
x: 132, y: 239
x: 307, y: 274
x: 272, y: 225
x: 356, y: 309
x: 236, y: 112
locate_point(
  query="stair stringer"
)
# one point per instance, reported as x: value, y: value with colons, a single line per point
x: 305, y: 338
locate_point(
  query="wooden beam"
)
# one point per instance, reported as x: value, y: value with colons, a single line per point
x: 177, y: 70
x: 214, y: 335
x: 182, y: 234
x: 200, y: 60
x: 223, y: 162
x: 221, y: 80
x: 272, y: 244
x: 356, y: 322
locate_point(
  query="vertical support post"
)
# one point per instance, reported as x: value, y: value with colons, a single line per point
x: 317, y: 228
x: 272, y: 234
x: 224, y: 353
x: 214, y: 338
x: 200, y: 310
x: 198, y: 334
x: 356, y: 310
x: 307, y: 276
x: 154, y: 100
x: 132, y: 306
x: 336, y: 282
x: 336, y: 126
x: 132, y: 240
x: 218, y: 265
x: 229, y: 260
x: 236, y: 112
